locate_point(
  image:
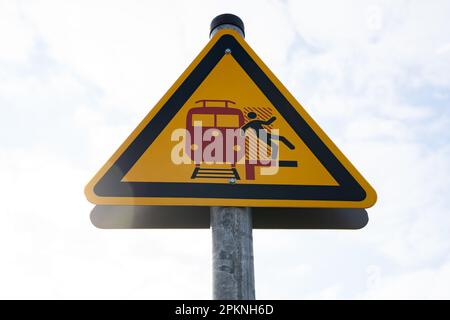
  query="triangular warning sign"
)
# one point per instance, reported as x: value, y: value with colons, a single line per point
x: 228, y: 133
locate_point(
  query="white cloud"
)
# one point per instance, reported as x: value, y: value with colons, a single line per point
x: 422, y: 284
x: 15, y: 33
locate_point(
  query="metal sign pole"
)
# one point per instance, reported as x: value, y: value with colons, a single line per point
x: 232, y: 240
x: 233, y: 270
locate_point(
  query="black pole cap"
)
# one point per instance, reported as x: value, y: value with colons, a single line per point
x: 227, y: 18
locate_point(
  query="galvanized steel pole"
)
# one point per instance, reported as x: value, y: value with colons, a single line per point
x: 233, y: 268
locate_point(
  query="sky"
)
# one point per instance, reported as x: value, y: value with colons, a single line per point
x: 76, y: 77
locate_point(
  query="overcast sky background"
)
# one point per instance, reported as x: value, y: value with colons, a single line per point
x: 76, y: 77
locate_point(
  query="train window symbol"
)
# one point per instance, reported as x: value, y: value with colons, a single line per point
x: 227, y: 121
x: 203, y: 120
x: 219, y: 116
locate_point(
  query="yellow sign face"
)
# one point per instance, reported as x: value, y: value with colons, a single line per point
x: 228, y: 133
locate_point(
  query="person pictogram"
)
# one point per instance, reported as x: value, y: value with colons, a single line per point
x: 258, y: 126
